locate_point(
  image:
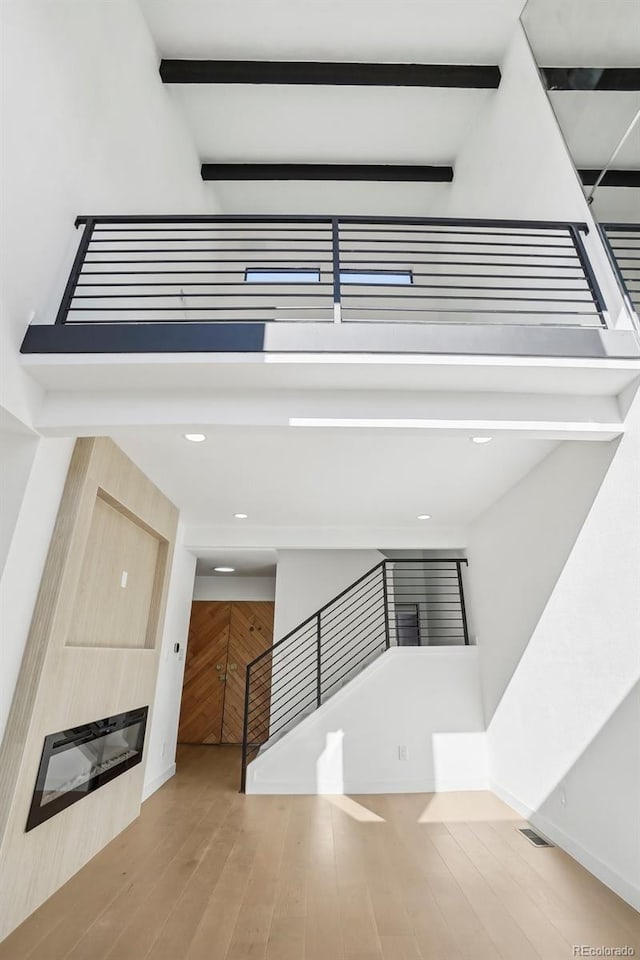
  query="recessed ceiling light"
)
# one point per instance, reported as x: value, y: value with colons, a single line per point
x: 195, y: 437
x: 241, y: 516
x: 424, y: 516
x: 481, y: 439
x: 224, y: 569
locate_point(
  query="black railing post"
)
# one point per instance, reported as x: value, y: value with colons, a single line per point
x: 319, y: 665
x: 385, y: 596
x: 245, y: 732
x: 587, y: 269
x: 76, y: 269
x: 335, y: 246
x: 463, y: 609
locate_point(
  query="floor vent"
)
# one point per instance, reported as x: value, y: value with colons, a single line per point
x: 533, y: 837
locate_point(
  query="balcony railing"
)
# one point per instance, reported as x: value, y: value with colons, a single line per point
x: 622, y: 242
x: 231, y: 269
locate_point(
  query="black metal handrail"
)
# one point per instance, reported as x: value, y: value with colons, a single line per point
x: 622, y: 243
x: 408, y: 602
x: 234, y: 269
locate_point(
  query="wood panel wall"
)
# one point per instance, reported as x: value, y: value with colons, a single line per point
x: 92, y: 651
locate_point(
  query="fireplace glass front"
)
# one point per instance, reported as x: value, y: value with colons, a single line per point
x: 77, y: 761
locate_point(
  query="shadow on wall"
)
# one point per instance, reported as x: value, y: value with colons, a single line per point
x: 564, y: 731
x: 598, y: 797
x: 444, y: 760
x: 560, y: 657
x: 519, y: 549
x: 410, y: 722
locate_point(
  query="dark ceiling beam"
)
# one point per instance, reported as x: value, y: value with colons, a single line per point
x: 612, y: 178
x: 418, y: 173
x: 591, y: 78
x: 331, y: 74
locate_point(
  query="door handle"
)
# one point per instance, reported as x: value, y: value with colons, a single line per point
x: 219, y: 666
x: 222, y: 677
x: 233, y: 666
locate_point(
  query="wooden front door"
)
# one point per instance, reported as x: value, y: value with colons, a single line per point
x: 204, y: 672
x: 251, y: 632
x: 223, y: 638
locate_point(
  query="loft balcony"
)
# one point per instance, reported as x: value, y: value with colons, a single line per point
x: 254, y: 284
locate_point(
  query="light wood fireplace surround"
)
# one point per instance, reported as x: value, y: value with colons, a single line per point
x: 92, y: 651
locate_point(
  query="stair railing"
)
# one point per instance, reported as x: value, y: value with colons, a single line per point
x: 413, y: 602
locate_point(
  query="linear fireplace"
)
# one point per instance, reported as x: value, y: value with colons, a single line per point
x: 77, y: 761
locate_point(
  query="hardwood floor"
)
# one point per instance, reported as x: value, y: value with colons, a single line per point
x: 208, y: 874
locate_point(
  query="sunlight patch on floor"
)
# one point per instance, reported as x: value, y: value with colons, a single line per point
x: 470, y: 806
x: 354, y: 809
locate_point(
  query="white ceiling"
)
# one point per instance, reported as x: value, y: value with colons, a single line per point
x: 593, y: 33
x: 437, y: 31
x: 593, y: 123
x: 583, y: 33
x: 325, y: 124
x: 308, y: 124
x: 304, y: 124
x: 256, y: 123
x: 246, y: 563
x: 306, y: 477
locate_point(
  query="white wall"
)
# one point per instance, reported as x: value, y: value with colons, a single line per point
x: 26, y: 557
x: 555, y: 575
x: 163, y: 733
x: 515, y: 164
x: 17, y: 452
x: 87, y: 128
x: 234, y: 588
x: 427, y: 699
x: 307, y: 579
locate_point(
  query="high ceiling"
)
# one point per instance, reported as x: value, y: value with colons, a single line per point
x: 410, y: 31
x: 245, y: 123
x: 267, y: 123
x: 304, y: 124
x: 594, y: 122
x: 583, y: 33
x: 316, y: 477
x: 594, y: 34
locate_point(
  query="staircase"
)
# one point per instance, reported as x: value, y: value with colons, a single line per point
x: 396, y: 603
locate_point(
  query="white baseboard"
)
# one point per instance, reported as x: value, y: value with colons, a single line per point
x: 355, y: 788
x: 152, y: 785
x: 624, y: 888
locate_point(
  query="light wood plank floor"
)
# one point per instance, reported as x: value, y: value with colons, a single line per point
x: 208, y: 874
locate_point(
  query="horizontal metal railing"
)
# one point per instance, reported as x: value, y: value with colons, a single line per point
x: 330, y: 269
x: 396, y: 603
x: 622, y: 243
